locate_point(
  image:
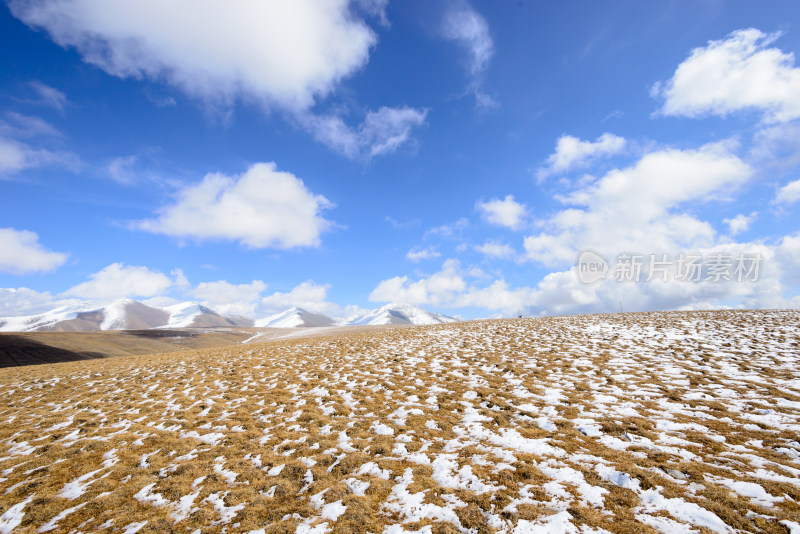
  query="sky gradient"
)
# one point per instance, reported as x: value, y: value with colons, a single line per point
x: 339, y: 155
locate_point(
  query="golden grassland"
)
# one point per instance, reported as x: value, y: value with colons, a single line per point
x: 673, y: 422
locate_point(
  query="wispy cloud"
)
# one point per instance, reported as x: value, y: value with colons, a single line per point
x: 382, y: 132
x: 470, y: 30
x: 46, y: 96
x: 418, y: 254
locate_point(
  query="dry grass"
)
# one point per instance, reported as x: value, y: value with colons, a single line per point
x: 627, y: 423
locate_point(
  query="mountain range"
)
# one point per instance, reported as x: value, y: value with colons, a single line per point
x: 129, y: 314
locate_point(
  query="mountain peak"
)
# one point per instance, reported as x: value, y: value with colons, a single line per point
x: 295, y: 317
x: 400, y: 313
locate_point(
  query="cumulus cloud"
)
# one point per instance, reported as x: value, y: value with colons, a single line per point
x: 507, y: 212
x: 636, y: 208
x: 449, y: 288
x: 571, y: 152
x: 119, y: 280
x: 230, y: 299
x: 789, y: 193
x: 278, y: 53
x: 437, y: 289
x: 562, y: 292
x: 740, y: 72
x: 381, y: 132
x: 417, y: 254
x: 260, y: 208
x: 740, y: 223
x: 21, y: 253
x: 469, y: 29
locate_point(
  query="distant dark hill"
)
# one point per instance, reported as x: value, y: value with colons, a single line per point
x: 29, y: 348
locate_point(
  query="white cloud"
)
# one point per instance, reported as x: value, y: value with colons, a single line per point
x: 16, y: 156
x: 382, y: 131
x: 24, y: 301
x: 789, y: 193
x: 119, y: 280
x: 494, y: 249
x: 469, y: 29
x: 507, y: 212
x: 737, y: 73
x: 260, y: 208
x: 417, y: 254
x: 230, y: 299
x: 561, y: 292
x: 740, y: 223
x: 571, y: 152
x: 21, y: 253
x: 437, y: 289
x: 448, y: 288
x: 277, y: 53
x: 634, y: 209
x: 307, y: 295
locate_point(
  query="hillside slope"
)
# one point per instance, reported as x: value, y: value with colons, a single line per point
x: 635, y: 423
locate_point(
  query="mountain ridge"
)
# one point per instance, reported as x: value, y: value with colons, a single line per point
x: 130, y: 314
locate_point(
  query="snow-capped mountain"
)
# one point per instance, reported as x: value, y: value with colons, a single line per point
x: 129, y: 314
x: 194, y: 315
x: 122, y: 314
x: 47, y: 320
x: 397, y: 313
x: 295, y: 317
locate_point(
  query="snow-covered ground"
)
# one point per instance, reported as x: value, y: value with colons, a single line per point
x: 657, y: 422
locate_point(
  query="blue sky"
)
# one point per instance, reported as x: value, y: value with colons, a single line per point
x: 338, y: 155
